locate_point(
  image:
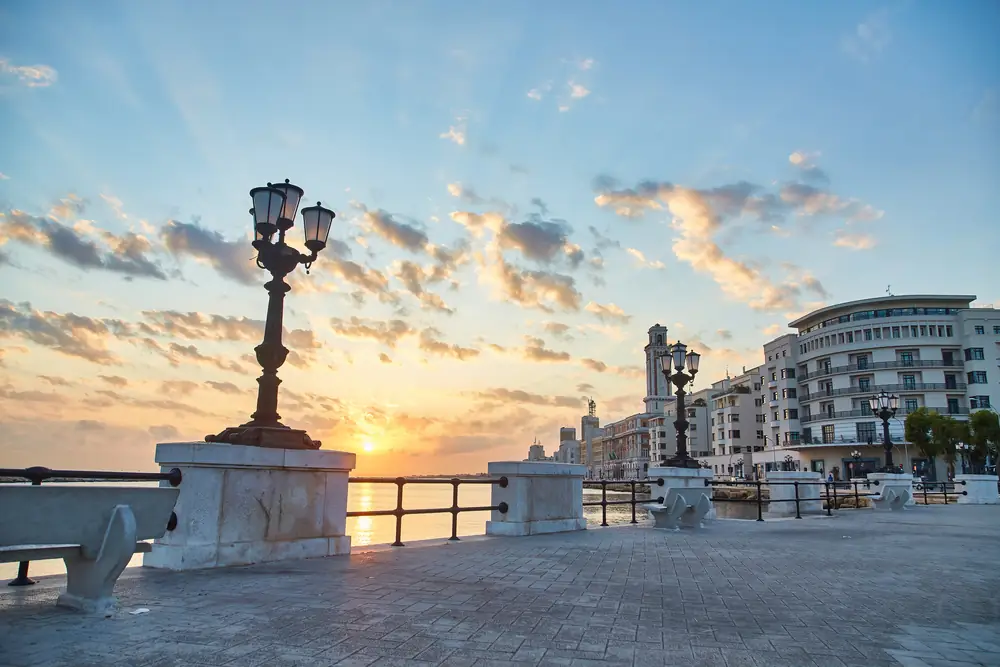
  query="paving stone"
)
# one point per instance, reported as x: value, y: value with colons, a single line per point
x: 733, y: 595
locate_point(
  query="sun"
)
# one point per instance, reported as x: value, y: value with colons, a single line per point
x: 368, y: 446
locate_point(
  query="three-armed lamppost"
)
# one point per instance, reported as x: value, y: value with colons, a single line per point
x: 274, y: 209
x: 884, y: 407
x: 673, y: 370
x: 963, y: 451
x: 856, y: 455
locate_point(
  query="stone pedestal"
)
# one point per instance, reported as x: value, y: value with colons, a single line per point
x: 980, y: 490
x: 680, y: 478
x: 240, y: 505
x: 810, y: 501
x: 900, y: 481
x: 541, y: 497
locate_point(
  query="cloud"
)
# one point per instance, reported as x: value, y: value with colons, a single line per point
x: 55, y: 381
x: 114, y: 380
x: 845, y: 239
x: 535, y: 350
x: 116, y: 206
x: 127, y: 254
x: 414, y: 279
x: 601, y: 367
x: 176, y: 354
x: 774, y: 330
x: 698, y: 215
x: 224, y: 387
x: 384, y: 358
x: 541, y: 91
x: 608, y: 313
x: 69, y: 334
x: 397, y: 233
x: 456, y: 133
x: 641, y: 260
x: 724, y: 334
x: 538, y: 240
x: 465, y: 193
x: 809, y: 200
x: 387, y: 333
x: 502, y: 395
x: 200, y: 326
x: 4, y: 177
x: 163, y: 432
x: 869, y: 38
x: 578, y: 91
x: 558, y: 329
x: 806, y: 164
x: 430, y: 342
x: 32, y: 76
x: 585, y: 388
x: 232, y: 259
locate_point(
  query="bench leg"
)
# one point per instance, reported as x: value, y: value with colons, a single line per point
x: 91, y: 581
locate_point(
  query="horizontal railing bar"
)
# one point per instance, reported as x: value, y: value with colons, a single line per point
x: 428, y: 510
x: 598, y: 503
x: 39, y: 473
x: 425, y: 480
x: 599, y: 482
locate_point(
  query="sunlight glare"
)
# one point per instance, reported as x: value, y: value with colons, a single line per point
x: 368, y: 446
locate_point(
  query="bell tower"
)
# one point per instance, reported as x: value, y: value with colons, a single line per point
x: 657, y: 387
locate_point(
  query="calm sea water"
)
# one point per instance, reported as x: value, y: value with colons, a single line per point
x: 368, y: 531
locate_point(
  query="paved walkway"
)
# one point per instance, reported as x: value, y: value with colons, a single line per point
x: 916, y: 588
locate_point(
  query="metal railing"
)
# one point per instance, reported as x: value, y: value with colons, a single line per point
x: 604, y: 502
x: 37, y: 474
x: 830, y: 494
x: 399, y: 512
x: 876, y: 365
x: 875, y: 388
x: 943, y: 493
x: 860, y: 412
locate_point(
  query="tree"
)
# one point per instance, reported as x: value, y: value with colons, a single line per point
x: 947, y: 432
x: 917, y: 430
x: 984, y: 436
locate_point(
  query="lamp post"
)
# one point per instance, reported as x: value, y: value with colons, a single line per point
x: 963, y: 451
x: 274, y: 209
x: 856, y: 455
x: 788, y: 462
x: 884, y: 407
x: 675, y: 359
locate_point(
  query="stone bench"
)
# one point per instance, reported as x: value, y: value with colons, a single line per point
x: 892, y: 498
x: 685, y: 507
x: 95, y: 530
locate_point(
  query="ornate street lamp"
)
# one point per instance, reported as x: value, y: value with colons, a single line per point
x: 856, y: 455
x: 884, y: 406
x: 674, y: 362
x: 274, y: 209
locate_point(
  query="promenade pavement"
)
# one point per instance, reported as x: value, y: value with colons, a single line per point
x: 916, y: 588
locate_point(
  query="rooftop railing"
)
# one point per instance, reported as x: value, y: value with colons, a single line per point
x: 399, y: 512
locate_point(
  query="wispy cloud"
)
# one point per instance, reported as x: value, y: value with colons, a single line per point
x: 844, y: 239
x: 32, y: 76
x: 869, y: 38
x: 456, y: 132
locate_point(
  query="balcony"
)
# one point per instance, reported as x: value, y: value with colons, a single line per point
x: 845, y: 414
x: 774, y: 403
x: 881, y: 365
x: 772, y: 384
x: 900, y: 388
x: 775, y: 424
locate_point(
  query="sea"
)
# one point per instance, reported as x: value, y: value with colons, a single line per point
x: 381, y: 530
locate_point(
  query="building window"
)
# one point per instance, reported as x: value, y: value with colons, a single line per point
x: 923, y: 329
x: 952, y: 406
x: 693, y: 427
x: 868, y: 334
x: 977, y: 377
x: 866, y: 431
x: 735, y: 433
x: 977, y: 402
x: 789, y: 393
x: 862, y: 362
x: 774, y: 377
x: 895, y: 332
x: 974, y: 354
x: 792, y: 437
x: 760, y: 435
x: 864, y: 384
x: 910, y: 405
x: 948, y: 331
x: 906, y: 358
x: 980, y: 330
x: 909, y: 382
x: 775, y: 415
x: 791, y: 413
x: 807, y: 435
x: 828, y: 434
x: 996, y: 330
x: 774, y: 395
x: 950, y: 381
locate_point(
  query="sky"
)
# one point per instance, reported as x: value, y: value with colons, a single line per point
x: 522, y: 190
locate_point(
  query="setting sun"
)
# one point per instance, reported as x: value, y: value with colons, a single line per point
x: 368, y: 446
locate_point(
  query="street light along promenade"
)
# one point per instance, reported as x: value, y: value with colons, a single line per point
x: 274, y: 209
x: 676, y: 357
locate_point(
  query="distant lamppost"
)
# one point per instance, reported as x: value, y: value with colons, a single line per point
x: 274, y: 209
x: 673, y: 370
x: 856, y: 455
x: 884, y: 407
x: 963, y: 451
x: 788, y: 462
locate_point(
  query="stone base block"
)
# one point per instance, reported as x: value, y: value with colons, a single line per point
x: 979, y: 490
x: 240, y: 505
x: 534, y: 527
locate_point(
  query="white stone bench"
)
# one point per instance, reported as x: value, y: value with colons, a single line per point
x: 891, y: 498
x: 685, y: 507
x: 95, y: 530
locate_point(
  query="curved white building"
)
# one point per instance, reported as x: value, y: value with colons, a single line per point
x: 932, y: 351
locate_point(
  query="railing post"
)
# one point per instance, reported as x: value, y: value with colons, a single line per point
x: 454, y: 510
x: 857, y: 498
x: 22, y: 568
x: 633, y: 502
x: 760, y: 503
x: 837, y: 505
x: 828, y: 508
x: 944, y: 486
x: 798, y: 514
x: 399, y: 512
x: 604, y: 502
x: 925, y: 492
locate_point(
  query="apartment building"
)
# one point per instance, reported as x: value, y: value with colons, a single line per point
x: 931, y: 351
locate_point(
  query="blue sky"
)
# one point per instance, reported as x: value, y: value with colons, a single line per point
x: 762, y: 159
